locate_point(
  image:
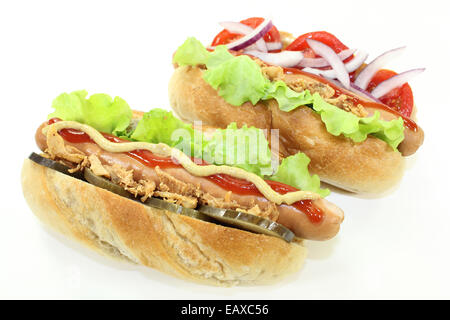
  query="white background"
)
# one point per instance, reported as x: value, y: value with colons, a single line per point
x: 396, y: 246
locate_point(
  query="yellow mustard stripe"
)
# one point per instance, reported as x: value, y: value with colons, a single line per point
x: 164, y: 150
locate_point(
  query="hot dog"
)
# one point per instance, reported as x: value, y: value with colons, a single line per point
x: 302, y: 226
x: 311, y: 110
x: 147, y: 179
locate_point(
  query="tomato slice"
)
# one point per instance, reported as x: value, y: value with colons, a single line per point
x: 224, y: 36
x: 272, y: 36
x: 400, y: 99
x: 327, y: 38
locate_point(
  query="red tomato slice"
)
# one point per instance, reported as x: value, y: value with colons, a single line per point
x: 225, y: 37
x: 400, y: 99
x: 327, y: 38
x: 272, y: 36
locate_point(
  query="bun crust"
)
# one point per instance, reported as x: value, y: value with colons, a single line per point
x: 369, y: 167
x: 178, y: 245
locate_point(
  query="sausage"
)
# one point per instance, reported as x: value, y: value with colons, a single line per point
x: 413, y: 138
x: 289, y: 216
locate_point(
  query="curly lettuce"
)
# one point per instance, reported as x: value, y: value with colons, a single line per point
x: 287, y: 98
x: 237, y: 80
x: 218, y: 56
x: 244, y: 147
x: 293, y: 171
x: 160, y: 126
x: 99, y: 111
x: 339, y: 122
x: 191, y: 53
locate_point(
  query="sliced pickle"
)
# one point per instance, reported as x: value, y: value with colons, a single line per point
x: 105, y: 183
x: 49, y: 163
x: 172, y: 207
x: 152, y: 202
x: 248, y: 222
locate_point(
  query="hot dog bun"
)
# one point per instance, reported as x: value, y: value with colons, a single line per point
x: 178, y: 245
x: 369, y: 167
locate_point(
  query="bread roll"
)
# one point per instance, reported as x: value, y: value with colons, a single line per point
x: 177, y: 245
x: 368, y: 167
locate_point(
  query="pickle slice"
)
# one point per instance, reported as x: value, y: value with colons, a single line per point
x: 152, y: 202
x: 248, y: 222
x: 172, y: 207
x: 105, y: 183
x: 49, y: 163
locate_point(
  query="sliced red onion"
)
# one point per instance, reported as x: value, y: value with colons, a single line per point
x: 285, y: 59
x: 269, y: 45
x: 321, y: 62
x: 240, y: 28
x: 369, y: 71
x: 274, y: 46
x: 395, y: 82
x: 355, y: 89
x: 333, y: 59
x: 350, y: 66
x: 252, y: 37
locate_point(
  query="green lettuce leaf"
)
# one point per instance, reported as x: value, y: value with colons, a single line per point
x: 238, y: 80
x: 99, y: 111
x: 160, y: 126
x: 191, y: 53
x: 245, y: 148
x: 287, y: 98
x: 218, y: 56
x: 338, y: 121
x: 293, y: 171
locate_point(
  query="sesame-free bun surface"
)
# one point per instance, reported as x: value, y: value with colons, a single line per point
x: 178, y: 245
x: 369, y: 167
